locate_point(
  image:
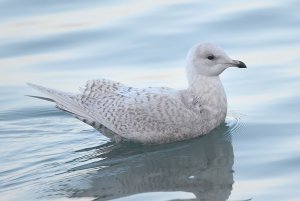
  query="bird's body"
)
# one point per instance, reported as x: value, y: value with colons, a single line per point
x: 149, y: 115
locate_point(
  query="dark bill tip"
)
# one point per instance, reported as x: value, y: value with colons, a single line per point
x: 241, y: 64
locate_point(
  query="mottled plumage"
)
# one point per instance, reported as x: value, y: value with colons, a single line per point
x: 154, y: 115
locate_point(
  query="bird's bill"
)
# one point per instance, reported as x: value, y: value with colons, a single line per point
x: 238, y: 64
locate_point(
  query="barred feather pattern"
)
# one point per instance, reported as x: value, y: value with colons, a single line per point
x: 144, y: 115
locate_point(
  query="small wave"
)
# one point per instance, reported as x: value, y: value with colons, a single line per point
x: 29, y: 112
x: 235, y: 123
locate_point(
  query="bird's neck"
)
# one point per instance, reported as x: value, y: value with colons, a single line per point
x: 208, y: 90
x: 200, y: 84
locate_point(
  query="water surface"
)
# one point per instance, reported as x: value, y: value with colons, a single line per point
x: 48, y: 155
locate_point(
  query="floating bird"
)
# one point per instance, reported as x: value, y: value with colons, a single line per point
x: 154, y: 115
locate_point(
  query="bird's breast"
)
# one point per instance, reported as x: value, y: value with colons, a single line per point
x: 210, y: 105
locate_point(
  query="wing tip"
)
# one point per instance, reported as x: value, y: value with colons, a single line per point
x: 30, y: 84
x: 42, y: 98
x: 35, y: 86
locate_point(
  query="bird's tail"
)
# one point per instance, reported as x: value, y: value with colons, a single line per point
x: 65, y: 101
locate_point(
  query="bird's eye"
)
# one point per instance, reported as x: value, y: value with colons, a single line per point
x: 210, y: 57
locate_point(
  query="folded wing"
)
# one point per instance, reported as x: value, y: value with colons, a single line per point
x: 136, y: 114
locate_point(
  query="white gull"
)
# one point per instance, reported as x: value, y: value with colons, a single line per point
x: 154, y: 115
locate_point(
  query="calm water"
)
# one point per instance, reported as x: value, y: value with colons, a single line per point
x: 48, y: 155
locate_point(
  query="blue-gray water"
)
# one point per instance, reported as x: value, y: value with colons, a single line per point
x: 48, y: 155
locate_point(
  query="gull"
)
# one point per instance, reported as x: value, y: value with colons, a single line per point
x: 154, y: 115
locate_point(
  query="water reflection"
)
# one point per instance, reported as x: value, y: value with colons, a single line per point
x: 202, y: 167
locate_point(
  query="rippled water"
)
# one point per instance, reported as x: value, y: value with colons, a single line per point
x: 48, y: 155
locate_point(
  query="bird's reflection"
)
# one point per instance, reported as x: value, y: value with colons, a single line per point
x: 201, y: 166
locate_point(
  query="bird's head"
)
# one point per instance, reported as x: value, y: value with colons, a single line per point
x: 209, y: 60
